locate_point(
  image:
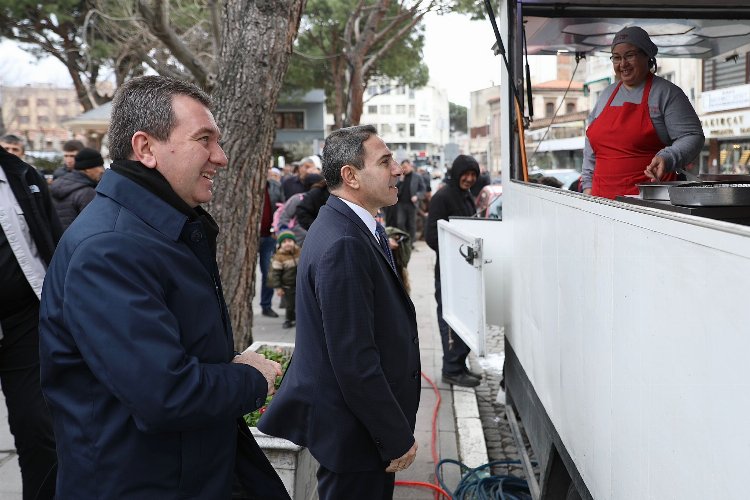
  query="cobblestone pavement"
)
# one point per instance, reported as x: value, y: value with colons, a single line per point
x: 497, y: 432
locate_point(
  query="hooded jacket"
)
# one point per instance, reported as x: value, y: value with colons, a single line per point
x: 70, y: 195
x: 451, y: 200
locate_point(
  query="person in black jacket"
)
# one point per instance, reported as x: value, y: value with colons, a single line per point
x: 308, y: 208
x: 454, y: 199
x: 29, y: 232
x: 73, y: 191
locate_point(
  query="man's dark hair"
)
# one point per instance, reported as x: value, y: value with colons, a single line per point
x: 145, y: 104
x: 13, y: 139
x: 345, y: 147
x: 73, y: 145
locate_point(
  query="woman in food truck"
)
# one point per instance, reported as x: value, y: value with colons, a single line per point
x: 642, y: 127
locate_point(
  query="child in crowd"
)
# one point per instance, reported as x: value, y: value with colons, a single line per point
x: 283, y: 275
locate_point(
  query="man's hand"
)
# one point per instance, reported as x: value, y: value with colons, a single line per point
x: 414, y: 199
x: 587, y: 191
x: 280, y: 292
x: 656, y: 169
x: 402, y: 463
x: 269, y: 369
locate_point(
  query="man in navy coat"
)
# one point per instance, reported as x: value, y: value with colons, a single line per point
x: 137, y: 358
x: 352, y: 390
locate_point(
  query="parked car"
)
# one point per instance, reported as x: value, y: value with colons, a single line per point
x: 565, y: 175
x: 490, y: 202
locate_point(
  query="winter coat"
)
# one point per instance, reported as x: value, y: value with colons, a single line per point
x: 135, y: 348
x: 308, y: 208
x: 284, y: 269
x: 448, y: 201
x: 32, y: 195
x: 70, y: 194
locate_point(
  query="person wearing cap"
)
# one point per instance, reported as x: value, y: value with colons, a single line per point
x: 296, y: 183
x: 642, y: 127
x: 283, y: 275
x: 74, y: 190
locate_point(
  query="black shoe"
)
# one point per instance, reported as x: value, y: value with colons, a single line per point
x: 460, y: 379
x: 472, y: 374
x: 288, y: 324
x: 267, y: 311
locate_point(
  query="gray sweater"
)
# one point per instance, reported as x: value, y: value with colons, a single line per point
x: 674, y: 119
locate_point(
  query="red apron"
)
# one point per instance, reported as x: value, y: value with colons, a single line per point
x: 624, y: 141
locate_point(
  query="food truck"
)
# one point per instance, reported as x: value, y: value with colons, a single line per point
x: 627, y: 321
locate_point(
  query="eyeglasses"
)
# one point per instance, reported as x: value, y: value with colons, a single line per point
x: 628, y: 57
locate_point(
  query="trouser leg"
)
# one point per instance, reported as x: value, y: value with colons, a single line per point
x: 455, y: 351
x: 291, y: 314
x: 369, y: 485
x: 28, y: 416
x: 265, y: 252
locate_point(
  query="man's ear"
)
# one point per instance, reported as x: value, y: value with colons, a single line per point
x: 349, y: 176
x: 142, y: 148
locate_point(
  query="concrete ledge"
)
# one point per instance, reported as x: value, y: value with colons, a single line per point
x: 472, y: 448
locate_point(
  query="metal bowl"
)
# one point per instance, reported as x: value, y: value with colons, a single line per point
x: 658, y: 191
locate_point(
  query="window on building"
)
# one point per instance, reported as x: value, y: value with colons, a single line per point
x: 43, y: 119
x: 400, y: 109
x: 42, y: 102
x: 401, y: 129
x: 385, y: 109
x: 290, y: 119
x: 22, y: 102
x: 385, y: 88
x: 63, y: 118
x: 668, y: 76
x: 725, y: 72
x: 411, y: 130
x: 372, y: 90
x: 24, y: 120
x: 549, y: 109
x: 385, y: 128
x: 570, y: 107
x: 412, y: 111
x: 372, y: 109
x: 411, y: 93
x: 62, y: 102
x: 400, y: 90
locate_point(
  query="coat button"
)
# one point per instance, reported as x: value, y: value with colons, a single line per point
x: 378, y: 443
x: 196, y: 236
x: 415, y: 340
x: 259, y: 402
x: 415, y: 375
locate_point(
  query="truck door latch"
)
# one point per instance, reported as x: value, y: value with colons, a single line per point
x: 469, y: 255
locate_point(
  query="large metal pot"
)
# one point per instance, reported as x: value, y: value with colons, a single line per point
x: 710, y: 194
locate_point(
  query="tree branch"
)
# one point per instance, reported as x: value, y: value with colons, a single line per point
x: 157, y: 21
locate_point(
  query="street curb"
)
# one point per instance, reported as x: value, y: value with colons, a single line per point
x: 472, y: 448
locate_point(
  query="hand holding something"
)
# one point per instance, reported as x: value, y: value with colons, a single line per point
x: 269, y: 369
x: 656, y: 169
x: 392, y: 243
x: 280, y: 292
x: 403, y: 462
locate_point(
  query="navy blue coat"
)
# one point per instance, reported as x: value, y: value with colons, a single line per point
x: 135, y: 345
x: 352, y: 390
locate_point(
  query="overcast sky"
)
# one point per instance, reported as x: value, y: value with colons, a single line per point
x: 457, y: 52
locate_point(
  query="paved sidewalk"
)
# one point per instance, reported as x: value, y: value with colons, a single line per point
x: 459, y: 431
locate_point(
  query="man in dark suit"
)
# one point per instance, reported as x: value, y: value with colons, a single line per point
x: 352, y: 390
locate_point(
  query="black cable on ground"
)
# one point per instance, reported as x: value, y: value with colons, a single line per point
x: 479, y: 484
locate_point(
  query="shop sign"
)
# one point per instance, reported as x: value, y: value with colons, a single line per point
x: 727, y: 98
x: 726, y: 124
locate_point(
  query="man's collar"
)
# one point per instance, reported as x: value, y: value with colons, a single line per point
x: 362, y: 213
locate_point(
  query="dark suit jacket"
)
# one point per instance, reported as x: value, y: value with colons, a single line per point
x: 352, y: 390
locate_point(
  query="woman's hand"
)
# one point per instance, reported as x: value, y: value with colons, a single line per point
x: 656, y: 169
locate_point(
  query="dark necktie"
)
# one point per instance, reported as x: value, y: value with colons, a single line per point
x: 383, y: 241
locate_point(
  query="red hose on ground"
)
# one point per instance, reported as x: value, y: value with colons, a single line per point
x: 436, y: 487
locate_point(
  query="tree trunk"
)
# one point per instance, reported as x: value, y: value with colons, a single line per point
x: 255, y: 49
x: 357, y: 93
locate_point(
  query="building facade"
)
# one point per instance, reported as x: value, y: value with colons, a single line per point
x: 38, y: 114
x: 413, y: 122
